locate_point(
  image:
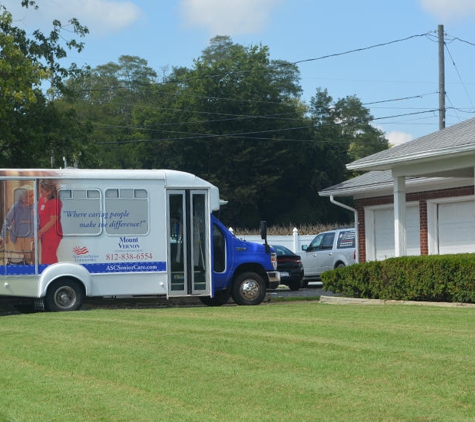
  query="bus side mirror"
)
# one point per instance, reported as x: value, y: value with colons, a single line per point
x: 263, y: 230
x: 264, y: 235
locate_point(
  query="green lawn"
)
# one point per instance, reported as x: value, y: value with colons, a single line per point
x: 281, y: 362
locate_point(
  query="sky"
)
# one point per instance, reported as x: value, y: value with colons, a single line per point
x: 386, y: 53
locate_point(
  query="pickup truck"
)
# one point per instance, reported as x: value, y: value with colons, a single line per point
x: 328, y: 250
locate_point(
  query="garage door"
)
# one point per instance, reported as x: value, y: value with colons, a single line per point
x: 456, y: 227
x: 380, y: 233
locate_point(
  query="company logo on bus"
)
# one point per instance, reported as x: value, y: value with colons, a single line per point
x: 77, y: 250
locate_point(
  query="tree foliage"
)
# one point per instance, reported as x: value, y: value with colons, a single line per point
x: 107, y: 98
x: 232, y: 110
x: 33, y: 131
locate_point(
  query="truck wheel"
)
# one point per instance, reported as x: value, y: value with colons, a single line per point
x: 220, y: 298
x: 294, y: 285
x: 64, y: 295
x: 248, y: 289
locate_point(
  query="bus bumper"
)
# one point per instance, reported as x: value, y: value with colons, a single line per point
x: 274, y: 279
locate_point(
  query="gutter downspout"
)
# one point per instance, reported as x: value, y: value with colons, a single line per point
x: 333, y: 201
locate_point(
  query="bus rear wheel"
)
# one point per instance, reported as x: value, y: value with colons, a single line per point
x: 249, y: 289
x: 64, y: 295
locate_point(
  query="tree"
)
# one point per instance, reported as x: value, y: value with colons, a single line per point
x: 344, y: 128
x: 107, y: 98
x: 232, y: 114
x: 351, y: 123
x: 47, y: 51
x: 24, y: 64
x: 18, y: 77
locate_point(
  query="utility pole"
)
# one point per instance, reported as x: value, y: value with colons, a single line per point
x: 52, y: 100
x: 441, y: 78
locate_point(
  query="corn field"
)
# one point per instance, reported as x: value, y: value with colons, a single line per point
x: 304, y: 229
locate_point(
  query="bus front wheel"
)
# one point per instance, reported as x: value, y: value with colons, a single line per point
x: 249, y: 289
x: 64, y: 295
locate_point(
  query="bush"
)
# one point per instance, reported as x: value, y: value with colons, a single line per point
x: 440, y: 278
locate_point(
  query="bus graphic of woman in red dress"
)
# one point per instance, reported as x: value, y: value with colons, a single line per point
x: 50, y: 231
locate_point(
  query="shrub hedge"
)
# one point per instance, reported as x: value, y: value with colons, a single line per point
x: 440, y: 278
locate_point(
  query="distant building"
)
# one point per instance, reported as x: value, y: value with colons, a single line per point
x: 416, y: 198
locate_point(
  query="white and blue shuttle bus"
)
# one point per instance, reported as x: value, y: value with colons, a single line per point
x: 122, y: 233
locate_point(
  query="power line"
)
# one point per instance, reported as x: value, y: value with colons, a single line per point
x: 400, y: 99
x: 232, y: 117
x: 464, y: 41
x: 242, y: 135
x: 362, y: 49
x: 407, y: 114
x: 429, y: 35
x: 459, y: 75
x: 280, y: 64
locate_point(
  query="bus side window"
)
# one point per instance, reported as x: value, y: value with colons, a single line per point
x: 219, y: 250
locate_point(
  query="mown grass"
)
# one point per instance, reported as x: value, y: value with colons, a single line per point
x: 295, y: 298
x: 282, y: 362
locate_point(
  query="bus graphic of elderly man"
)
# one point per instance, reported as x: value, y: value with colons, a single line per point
x: 19, y: 224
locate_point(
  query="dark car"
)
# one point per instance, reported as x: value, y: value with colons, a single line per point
x: 290, y: 267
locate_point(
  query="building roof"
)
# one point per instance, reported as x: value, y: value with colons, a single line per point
x: 378, y: 183
x: 367, y: 182
x: 455, y: 140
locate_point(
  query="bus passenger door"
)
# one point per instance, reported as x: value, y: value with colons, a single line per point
x: 188, y: 243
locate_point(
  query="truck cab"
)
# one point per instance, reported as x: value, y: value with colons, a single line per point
x: 241, y: 269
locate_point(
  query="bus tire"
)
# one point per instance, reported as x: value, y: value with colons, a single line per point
x: 248, y: 289
x: 64, y: 295
x: 220, y: 298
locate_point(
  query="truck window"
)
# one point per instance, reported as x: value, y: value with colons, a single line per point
x: 327, y: 242
x: 315, y: 244
x: 81, y: 212
x: 346, y: 240
x: 126, y: 211
x: 219, y: 250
